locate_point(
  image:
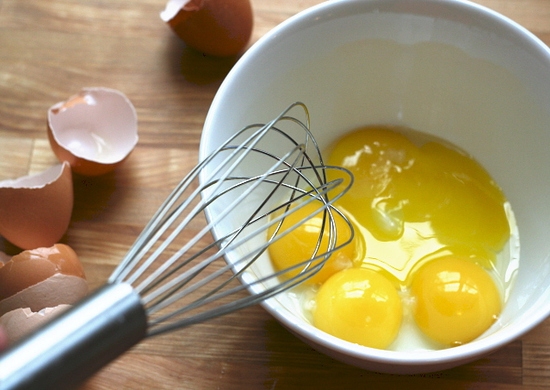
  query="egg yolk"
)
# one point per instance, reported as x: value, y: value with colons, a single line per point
x: 413, y: 201
x: 359, y: 305
x: 429, y: 223
x: 456, y: 300
x: 298, y: 246
x: 374, y: 155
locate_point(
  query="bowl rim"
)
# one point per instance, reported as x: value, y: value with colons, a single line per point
x: 327, y: 10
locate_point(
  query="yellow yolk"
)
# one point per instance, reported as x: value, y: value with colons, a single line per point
x: 374, y: 156
x: 413, y: 203
x: 429, y: 222
x: 299, y: 246
x: 455, y: 300
x: 359, y: 305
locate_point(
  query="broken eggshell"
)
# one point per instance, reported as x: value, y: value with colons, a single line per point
x: 40, y: 278
x: 55, y: 290
x: 220, y: 28
x: 94, y: 131
x: 35, y: 210
x: 21, y: 322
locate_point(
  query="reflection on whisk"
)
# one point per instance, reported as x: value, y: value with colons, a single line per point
x: 202, y: 255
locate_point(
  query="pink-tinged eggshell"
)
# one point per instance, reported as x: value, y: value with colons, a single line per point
x: 55, y: 290
x: 20, y: 322
x: 35, y: 210
x: 94, y: 131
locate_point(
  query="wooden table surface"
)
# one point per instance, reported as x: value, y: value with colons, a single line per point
x: 49, y: 50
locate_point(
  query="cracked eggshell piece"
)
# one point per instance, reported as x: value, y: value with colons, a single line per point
x: 220, y: 28
x: 35, y: 210
x: 43, y: 277
x: 55, y: 290
x: 21, y: 322
x: 94, y: 131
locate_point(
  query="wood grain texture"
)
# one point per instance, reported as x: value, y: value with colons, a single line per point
x: 49, y: 50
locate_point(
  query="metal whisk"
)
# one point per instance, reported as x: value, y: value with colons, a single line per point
x: 202, y: 248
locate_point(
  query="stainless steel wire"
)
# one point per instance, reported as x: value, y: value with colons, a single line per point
x: 218, y: 187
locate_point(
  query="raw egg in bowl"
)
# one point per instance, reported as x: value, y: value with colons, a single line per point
x: 465, y: 95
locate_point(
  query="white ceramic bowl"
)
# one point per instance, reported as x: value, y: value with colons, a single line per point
x: 449, y: 68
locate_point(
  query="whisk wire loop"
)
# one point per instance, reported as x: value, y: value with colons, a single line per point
x: 156, y: 278
x: 154, y: 229
x: 246, y: 187
x: 160, y: 223
x: 241, y: 202
x: 148, y: 283
x: 247, y: 259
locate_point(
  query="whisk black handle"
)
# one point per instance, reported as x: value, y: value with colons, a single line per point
x: 78, y: 343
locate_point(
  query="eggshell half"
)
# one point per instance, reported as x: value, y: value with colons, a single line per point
x: 20, y: 322
x: 55, y: 290
x: 94, y: 130
x: 219, y: 28
x: 33, y: 266
x: 35, y: 210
